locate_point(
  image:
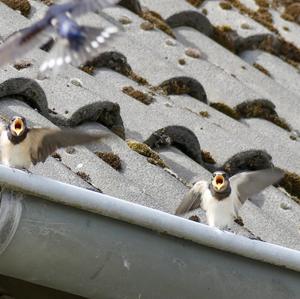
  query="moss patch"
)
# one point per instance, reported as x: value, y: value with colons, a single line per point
x: 262, y: 15
x: 264, y: 109
x: 23, y: 64
x: 138, y: 95
x: 291, y: 183
x: 207, y: 157
x: 111, y: 159
x: 89, y: 69
x: 158, y: 21
x: 196, y: 3
x: 22, y: 5
x: 175, y: 87
x: 225, y: 5
x: 145, y: 150
x: 181, y: 61
x: 222, y: 107
x: 225, y: 36
x: 48, y: 2
x: 204, y: 114
x: 262, y: 3
x: 84, y: 176
x: 137, y: 78
x: 262, y: 69
x: 292, y: 13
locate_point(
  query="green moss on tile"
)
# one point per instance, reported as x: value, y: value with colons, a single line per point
x: 291, y: 184
x: 196, y: 3
x: 176, y: 87
x: 22, y: 64
x: 292, y: 13
x: 264, y: 109
x: 207, y: 157
x: 48, y: 2
x: 145, y: 150
x: 182, y: 61
x: 204, y: 114
x: 262, y: 3
x: 225, y: 36
x: 224, y: 108
x: 225, y: 5
x: 137, y: 78
x: 111, y: 159
x: 138, y: 95
x: 262, y: 69
x: 22, y: 5
x: 158, y: 21
x: 84, y: 176
x: 89, y: 69
x: 262, y: 15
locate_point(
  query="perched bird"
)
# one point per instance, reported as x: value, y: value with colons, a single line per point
x: 223, y: 197
x: 22, y: 146
x: 75, y: 44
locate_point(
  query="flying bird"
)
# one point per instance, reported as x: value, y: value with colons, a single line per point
x: 74, y: 44
x: 222, y: 197
x: 22, y: 146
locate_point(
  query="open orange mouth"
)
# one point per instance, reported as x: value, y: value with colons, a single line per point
x: 18, y: 126
x: 219, y: 181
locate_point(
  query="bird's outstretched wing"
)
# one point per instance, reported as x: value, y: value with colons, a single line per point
x: 21, y: 42
x: 63, y: 53
x: 247, y: 184
x: 45, y: 141
x: 192, y: 199
x: 84, y: 6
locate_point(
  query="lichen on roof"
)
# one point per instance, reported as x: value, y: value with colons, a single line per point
x: 224, y: 108
x: 196, y: 3
x: 158, y: 21
x: 262, y: 69
x: 138, y: 95
x: 262, y: 108
x: 22, y: 5
x: 144, y: 150
x: 111, y: 159
x: 291, y: 183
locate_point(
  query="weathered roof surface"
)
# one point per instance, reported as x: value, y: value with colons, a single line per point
x: 79, y: 98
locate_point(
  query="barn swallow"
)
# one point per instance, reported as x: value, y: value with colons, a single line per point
x: 223, y: 196
x: 22, y: 146
x: 74, y: 45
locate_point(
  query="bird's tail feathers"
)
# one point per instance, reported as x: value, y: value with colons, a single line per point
x: 96, y: 41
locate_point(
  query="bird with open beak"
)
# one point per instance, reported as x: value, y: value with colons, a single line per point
x: 22, y: 146
x: 223, y: 197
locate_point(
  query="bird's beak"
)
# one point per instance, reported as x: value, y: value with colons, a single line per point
x: 18, y: 126
x: 218, y: 182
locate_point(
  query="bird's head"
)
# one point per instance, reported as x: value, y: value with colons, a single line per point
x: 17, y: 126
x: 220, y: 181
